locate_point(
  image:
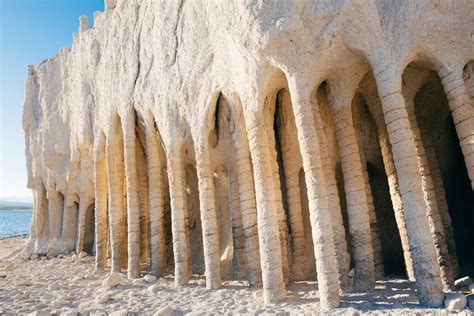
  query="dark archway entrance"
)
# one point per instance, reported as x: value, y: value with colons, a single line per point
x: 439, y: 137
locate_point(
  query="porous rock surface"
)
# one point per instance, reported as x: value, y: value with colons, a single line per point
x: 205, y: 137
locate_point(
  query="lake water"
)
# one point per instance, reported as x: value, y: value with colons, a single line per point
x: 14, y: 222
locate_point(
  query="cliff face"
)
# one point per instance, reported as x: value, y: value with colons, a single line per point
x: 156, y: 92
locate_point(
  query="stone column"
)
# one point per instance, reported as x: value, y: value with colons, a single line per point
x: 142, y: 173
x: 239, y: 260
x: 243, y: 167
x: 402, y: 138
x: 282, y: 225
x: 396, y: 198
x: 334, y: 204
x: 41, y: 217
x: 116, y: 202
x: 156, y: 201
x: 442, y: 208
x: 354, y: 186
x: 84, y: 203
x: 133, y: 208
x: 434, y: 218
x: 374, y: 228
x: 295, y: 217
x: 100, y: 175
x: 462, y: 112
x: 268, y: 233
x: 69, y: 230
x: 55, y: 218
x: 181, y: 251
x: 210, y: 230
x: 320, y: 215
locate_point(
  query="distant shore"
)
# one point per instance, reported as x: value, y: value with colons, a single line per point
x: 15, y: 236
x: 16, y: 208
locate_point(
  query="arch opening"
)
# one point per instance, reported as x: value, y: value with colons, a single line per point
x: 89, y: 230
x: 227, y: 193
x: 375, y: 153
x: 193, y: 220
x: 142, y: 175
x: 446, y: 165
x: 292, y: 186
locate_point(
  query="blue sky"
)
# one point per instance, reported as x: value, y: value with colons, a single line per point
x: 30, y: 31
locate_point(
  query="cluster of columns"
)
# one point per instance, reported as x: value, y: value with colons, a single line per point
x: 59, y: 221
x: 418, y: 203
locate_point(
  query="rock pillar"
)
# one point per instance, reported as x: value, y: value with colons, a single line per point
x: 210, y: 230
x: 55, y: 218
x: 243, y: 165
x: 69, y: 230
x: 354, y: 186
x: 181, y: 251
x: 116, y: 202
x: 133, y: 208
x: 156, y: 200
x: 100, y: 175
x: 462, y: 112
x: 320, y: 215
x: 268, y: 232
x: 402, y: 138
x: 334, y: 204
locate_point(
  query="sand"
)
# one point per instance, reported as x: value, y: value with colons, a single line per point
x: 69, y: 284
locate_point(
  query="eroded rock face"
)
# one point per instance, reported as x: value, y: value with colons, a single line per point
x: 248, y: 139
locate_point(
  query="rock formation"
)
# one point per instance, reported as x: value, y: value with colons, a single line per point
x: 265, y: 140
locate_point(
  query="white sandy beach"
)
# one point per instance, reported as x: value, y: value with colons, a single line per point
x: 69, y: 284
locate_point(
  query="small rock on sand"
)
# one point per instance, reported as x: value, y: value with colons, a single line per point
x: 10, y: 266
x: 455, y: 301
x: 103, y: 298
x: 112, y: 280
x: 167, y: 311
x: 149, y: 278
x: 258, y: 295
x: 153, y: 288
x: 59, y: 302
x: 470, y: 301
x: 39, y: 313
x: 137, y: 282
x: 122, y: 312
x: 82, y: 254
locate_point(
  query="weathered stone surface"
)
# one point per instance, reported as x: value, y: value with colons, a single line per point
x: 229, y: 138
x: 113, y: 280
x: 470, y: 301
x: 455, y: 301
x: 149, y: 278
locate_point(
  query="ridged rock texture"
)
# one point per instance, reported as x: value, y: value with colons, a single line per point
x: 271, y: 141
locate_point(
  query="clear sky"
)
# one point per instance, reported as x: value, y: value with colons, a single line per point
x: 30, y: 31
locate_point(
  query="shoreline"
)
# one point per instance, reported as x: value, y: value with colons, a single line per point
x: 19, y: 209
x: 15, y: 236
